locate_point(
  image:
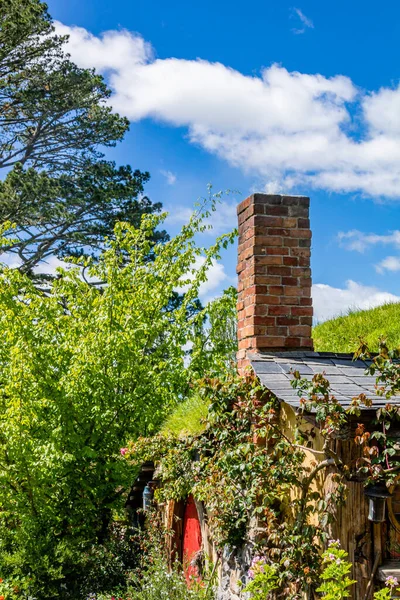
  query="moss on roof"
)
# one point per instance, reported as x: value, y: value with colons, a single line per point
x: 342, y: 334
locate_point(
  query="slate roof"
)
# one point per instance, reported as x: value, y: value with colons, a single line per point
x: 347, y: 377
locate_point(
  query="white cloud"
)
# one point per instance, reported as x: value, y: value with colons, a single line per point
x: 47, y: 266
x: 306, y: 22
x: 217, y: 280
x: 169, y: 176
x: 223, y: 220
x: 330, y: 302
x: 359, y: 241
x: 291, y: 128
x: 111, y: 51
x: 390, y: 263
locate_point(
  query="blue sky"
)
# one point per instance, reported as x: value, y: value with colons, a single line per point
x: 267, y: 96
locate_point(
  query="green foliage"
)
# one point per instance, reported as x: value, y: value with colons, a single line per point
x: 377, y: 459
x: 55, y: 118
x: 335, y: 574
x: 264, y: 579
x: 187, y: 418
x: 54, y: 115
x: 218, y: 337
x: 158, y: 582
x: 390, y: 590
x: 154, y: 577
x: 83, y: 369
x: 342, y: 333
x: 383, y: 594
x: 244, y: 469
x: 70, y: 214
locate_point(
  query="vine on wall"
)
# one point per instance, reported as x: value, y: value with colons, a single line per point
x: 247, y: 473
x: 251, y: 475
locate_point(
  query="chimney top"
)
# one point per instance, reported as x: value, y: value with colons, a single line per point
x: 274, y: 292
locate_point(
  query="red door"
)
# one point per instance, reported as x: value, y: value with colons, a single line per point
x: 191, y: 538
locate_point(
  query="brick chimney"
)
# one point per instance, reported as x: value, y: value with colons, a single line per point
x: 274, y: 303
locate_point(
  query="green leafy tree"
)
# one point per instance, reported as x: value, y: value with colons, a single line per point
x: 84, y: 369
x: 217, y: 336
x: 55, y: 120
x: 53, y: 114
x: 70, y: 215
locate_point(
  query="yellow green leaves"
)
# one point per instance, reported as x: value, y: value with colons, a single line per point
x: 84, y: 368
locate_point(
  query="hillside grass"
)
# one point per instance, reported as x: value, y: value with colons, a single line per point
x: 187, y: 418
x: 342, y: 334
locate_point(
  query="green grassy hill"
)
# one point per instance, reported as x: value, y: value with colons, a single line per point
x: 342, y: 334
x: 337, y: 335
x: 187, y: 418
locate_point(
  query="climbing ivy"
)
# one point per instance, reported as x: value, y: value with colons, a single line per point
x: 250, y: 476
x: 253, y: 479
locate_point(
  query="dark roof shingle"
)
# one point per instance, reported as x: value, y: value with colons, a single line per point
x: 346, y: 376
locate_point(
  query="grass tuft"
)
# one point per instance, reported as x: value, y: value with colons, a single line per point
x: 342, y: 333
x: 187, y: 418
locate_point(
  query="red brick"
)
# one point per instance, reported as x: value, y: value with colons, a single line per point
x: 276, y: 290
x: 304, y: 234
x: 267, y: 321
x: 305, y: 290
x: 290, y: 242
x: 298, y: 211
x: 267, y: 240
x: 304, y: 261
x: 284, y: 271
x: 301, y: 272
x: 244, y: 204
x: 290, y: 222
x: 305, y: 301
x: 267, y: 221
x: 276, y: 331
x: 290, y: 260
x: 262, y: 299
x: 267, y: 279
x: 300, y: 330
x: 292, y: 342
x: 302, y: 252
x: 279, y: 231
x: 289, y: 320
x: 292, y: 290
x: 306, y: 321
x: 290, y: 300
x: 303, y: 311
x: 260, y: 310
x: 282, y: 211
x: 270, y: 342
x: 289, y: 281
x: 278, y: 310
x: 244, y: 343
x: 268, y: 260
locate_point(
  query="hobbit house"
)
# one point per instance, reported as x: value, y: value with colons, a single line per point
x: 274, y: 340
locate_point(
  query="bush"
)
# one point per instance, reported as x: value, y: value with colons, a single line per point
x: 157, y: 582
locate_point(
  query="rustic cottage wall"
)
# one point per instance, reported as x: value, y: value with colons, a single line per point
x: 350, y: 525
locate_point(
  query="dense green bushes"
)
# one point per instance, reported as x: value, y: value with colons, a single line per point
x: 83, y: 369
